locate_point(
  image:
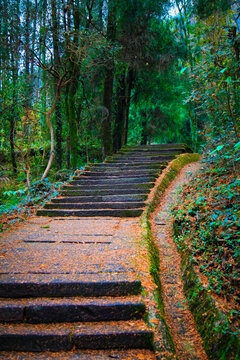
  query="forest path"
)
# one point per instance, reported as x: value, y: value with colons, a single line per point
x: 186, y: 338
x: 71, y: 285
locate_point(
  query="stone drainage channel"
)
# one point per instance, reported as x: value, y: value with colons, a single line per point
x: 187, y: 341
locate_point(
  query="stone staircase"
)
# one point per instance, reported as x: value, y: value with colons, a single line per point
x: 64, y: 315
x: 118, y: 187
x: 72, y: 316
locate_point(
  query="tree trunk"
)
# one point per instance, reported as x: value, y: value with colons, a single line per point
x: 130, y: 80
x: 144, y: 132
x: 48, y: 116
x: 106, y: 121
x: 108, y: 84
x: 100, y: 15
x: 73, y: 130
x: 58, y: 115
x: 120, y: 111
x: 42, y: 41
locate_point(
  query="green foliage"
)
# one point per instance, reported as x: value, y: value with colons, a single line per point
x: 208, y: 220
x: 205, y: 8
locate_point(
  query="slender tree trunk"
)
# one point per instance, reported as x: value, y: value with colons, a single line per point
x: 14, y: 58
x: 11, y: 138
x: 58, y: 115
x: 108, y: 84
x: 48, y: 116
x: 100, y: 15
x: 42, y: 41
x: 75, y: 68
x: 144, y: 131
x: 73, y: 130
x: 130, y: 80
x: 120, y: 111
x: 106, y: 122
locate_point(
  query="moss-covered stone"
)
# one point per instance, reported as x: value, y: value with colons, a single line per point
x: 166, y: 342
x: 219, y: 342
x: 173, y: 170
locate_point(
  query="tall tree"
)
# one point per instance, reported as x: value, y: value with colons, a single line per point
x: 108, y: 83
x: 56, y: 55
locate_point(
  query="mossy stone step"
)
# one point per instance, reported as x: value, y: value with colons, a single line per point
x: 104, y: 192
x: 128, y: 166
x: 96, y: 205
x: 153, y: 147
x: 90, y: 212
x: 150, y: 151
x: 105, y: 198
x: 117, y: 181
x: 49, y: 337
x: 120, y: 174
x: 143, y: 161
x: 69, y: 285
x: 143, y: 157
x: 45, y: 310
x: 107, y: 186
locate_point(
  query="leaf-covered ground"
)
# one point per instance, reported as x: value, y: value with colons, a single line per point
x: 208, y: 217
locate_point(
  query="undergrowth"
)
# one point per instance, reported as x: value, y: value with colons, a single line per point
x: 18, y: 202
x: 207, y: 216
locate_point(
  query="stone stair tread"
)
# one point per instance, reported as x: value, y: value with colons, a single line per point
x: 107, y: 186
x: 139, y: 162
x: 145, y: 156
x: 127, y: 165
x: 114, y: 180
x: 133, y: 354
x: 107, y: 198
x: 93, y: 184
x: 75, y: 300
x: 105, y: 192
x: 44, y: 310
x: 103, y: 167
x: 94, y: 205
x: 65, y: 336
x: 58, y: 285
x: 116, y: 174
x: 91, y: 212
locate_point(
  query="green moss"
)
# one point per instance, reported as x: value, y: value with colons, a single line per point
x: 174, y: 169
x: 172, y: 172
x: 219, y: 342
x: 154, y: 271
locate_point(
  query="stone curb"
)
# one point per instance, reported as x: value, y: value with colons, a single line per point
x: 171, y: 172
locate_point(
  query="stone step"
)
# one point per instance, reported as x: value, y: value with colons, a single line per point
x: 143, y: 161
x: 91, y: 212
x: 118, y: 174
x: 75, y: 186
x: 68, y: 285
x: 49, y: 337
x: 133, y: 354
x: 47, y: 310
x: 154, y: 147
x: 104, y: 198
x: 112, y: 181
x: 150, y: 151
x: 128, y: 166
x: 96, y: 205
x: 104, y: 192
x: 141, y: 157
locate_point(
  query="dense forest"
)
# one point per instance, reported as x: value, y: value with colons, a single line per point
x: 80, y: 79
